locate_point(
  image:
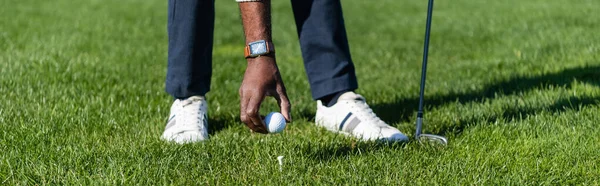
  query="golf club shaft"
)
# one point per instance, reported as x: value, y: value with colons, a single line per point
x: 424, y: 69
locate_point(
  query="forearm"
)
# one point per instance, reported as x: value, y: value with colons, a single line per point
x: 256, y: 18
x: 262, y: 77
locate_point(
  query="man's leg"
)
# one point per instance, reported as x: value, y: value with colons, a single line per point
x: 190, y: 29
x: 324, y: 44
x: 327, y: 60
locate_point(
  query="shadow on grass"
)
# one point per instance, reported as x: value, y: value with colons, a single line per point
x: 516, y: 113
x: 216, y: 124
x: 404, y: 109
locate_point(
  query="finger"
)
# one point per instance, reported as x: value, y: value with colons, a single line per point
x: 246, y: 119
x: 259, y: 125
x: 243, y: 106
x: 244, y: 100
x: 252, y: 112
x: 284, y: 104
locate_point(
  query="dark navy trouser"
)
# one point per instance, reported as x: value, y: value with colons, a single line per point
x: 320, y: 26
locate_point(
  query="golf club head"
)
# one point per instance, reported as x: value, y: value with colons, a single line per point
x: 430, y: 138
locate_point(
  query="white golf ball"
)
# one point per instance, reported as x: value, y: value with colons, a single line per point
x: 275, y: 122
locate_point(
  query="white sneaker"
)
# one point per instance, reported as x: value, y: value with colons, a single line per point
x: 187, y: 122
x: 352, y: 116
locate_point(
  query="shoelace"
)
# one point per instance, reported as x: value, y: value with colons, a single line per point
x: 190, y: 107
x: 365, y: 112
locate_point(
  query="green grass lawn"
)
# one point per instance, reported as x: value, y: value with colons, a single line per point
x: 514, y: 85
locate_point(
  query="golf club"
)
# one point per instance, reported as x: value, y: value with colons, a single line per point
x: 419, y: 136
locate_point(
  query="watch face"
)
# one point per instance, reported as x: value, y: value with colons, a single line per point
x: 258, y: 48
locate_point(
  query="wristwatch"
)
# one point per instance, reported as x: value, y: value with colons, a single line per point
x: 259, y: 48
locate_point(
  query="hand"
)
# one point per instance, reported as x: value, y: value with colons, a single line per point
x: 261, y: 79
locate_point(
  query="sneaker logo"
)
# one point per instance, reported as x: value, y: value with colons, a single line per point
x: 169, y: 123
x: 352, y: 124
x: 345, y: 119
